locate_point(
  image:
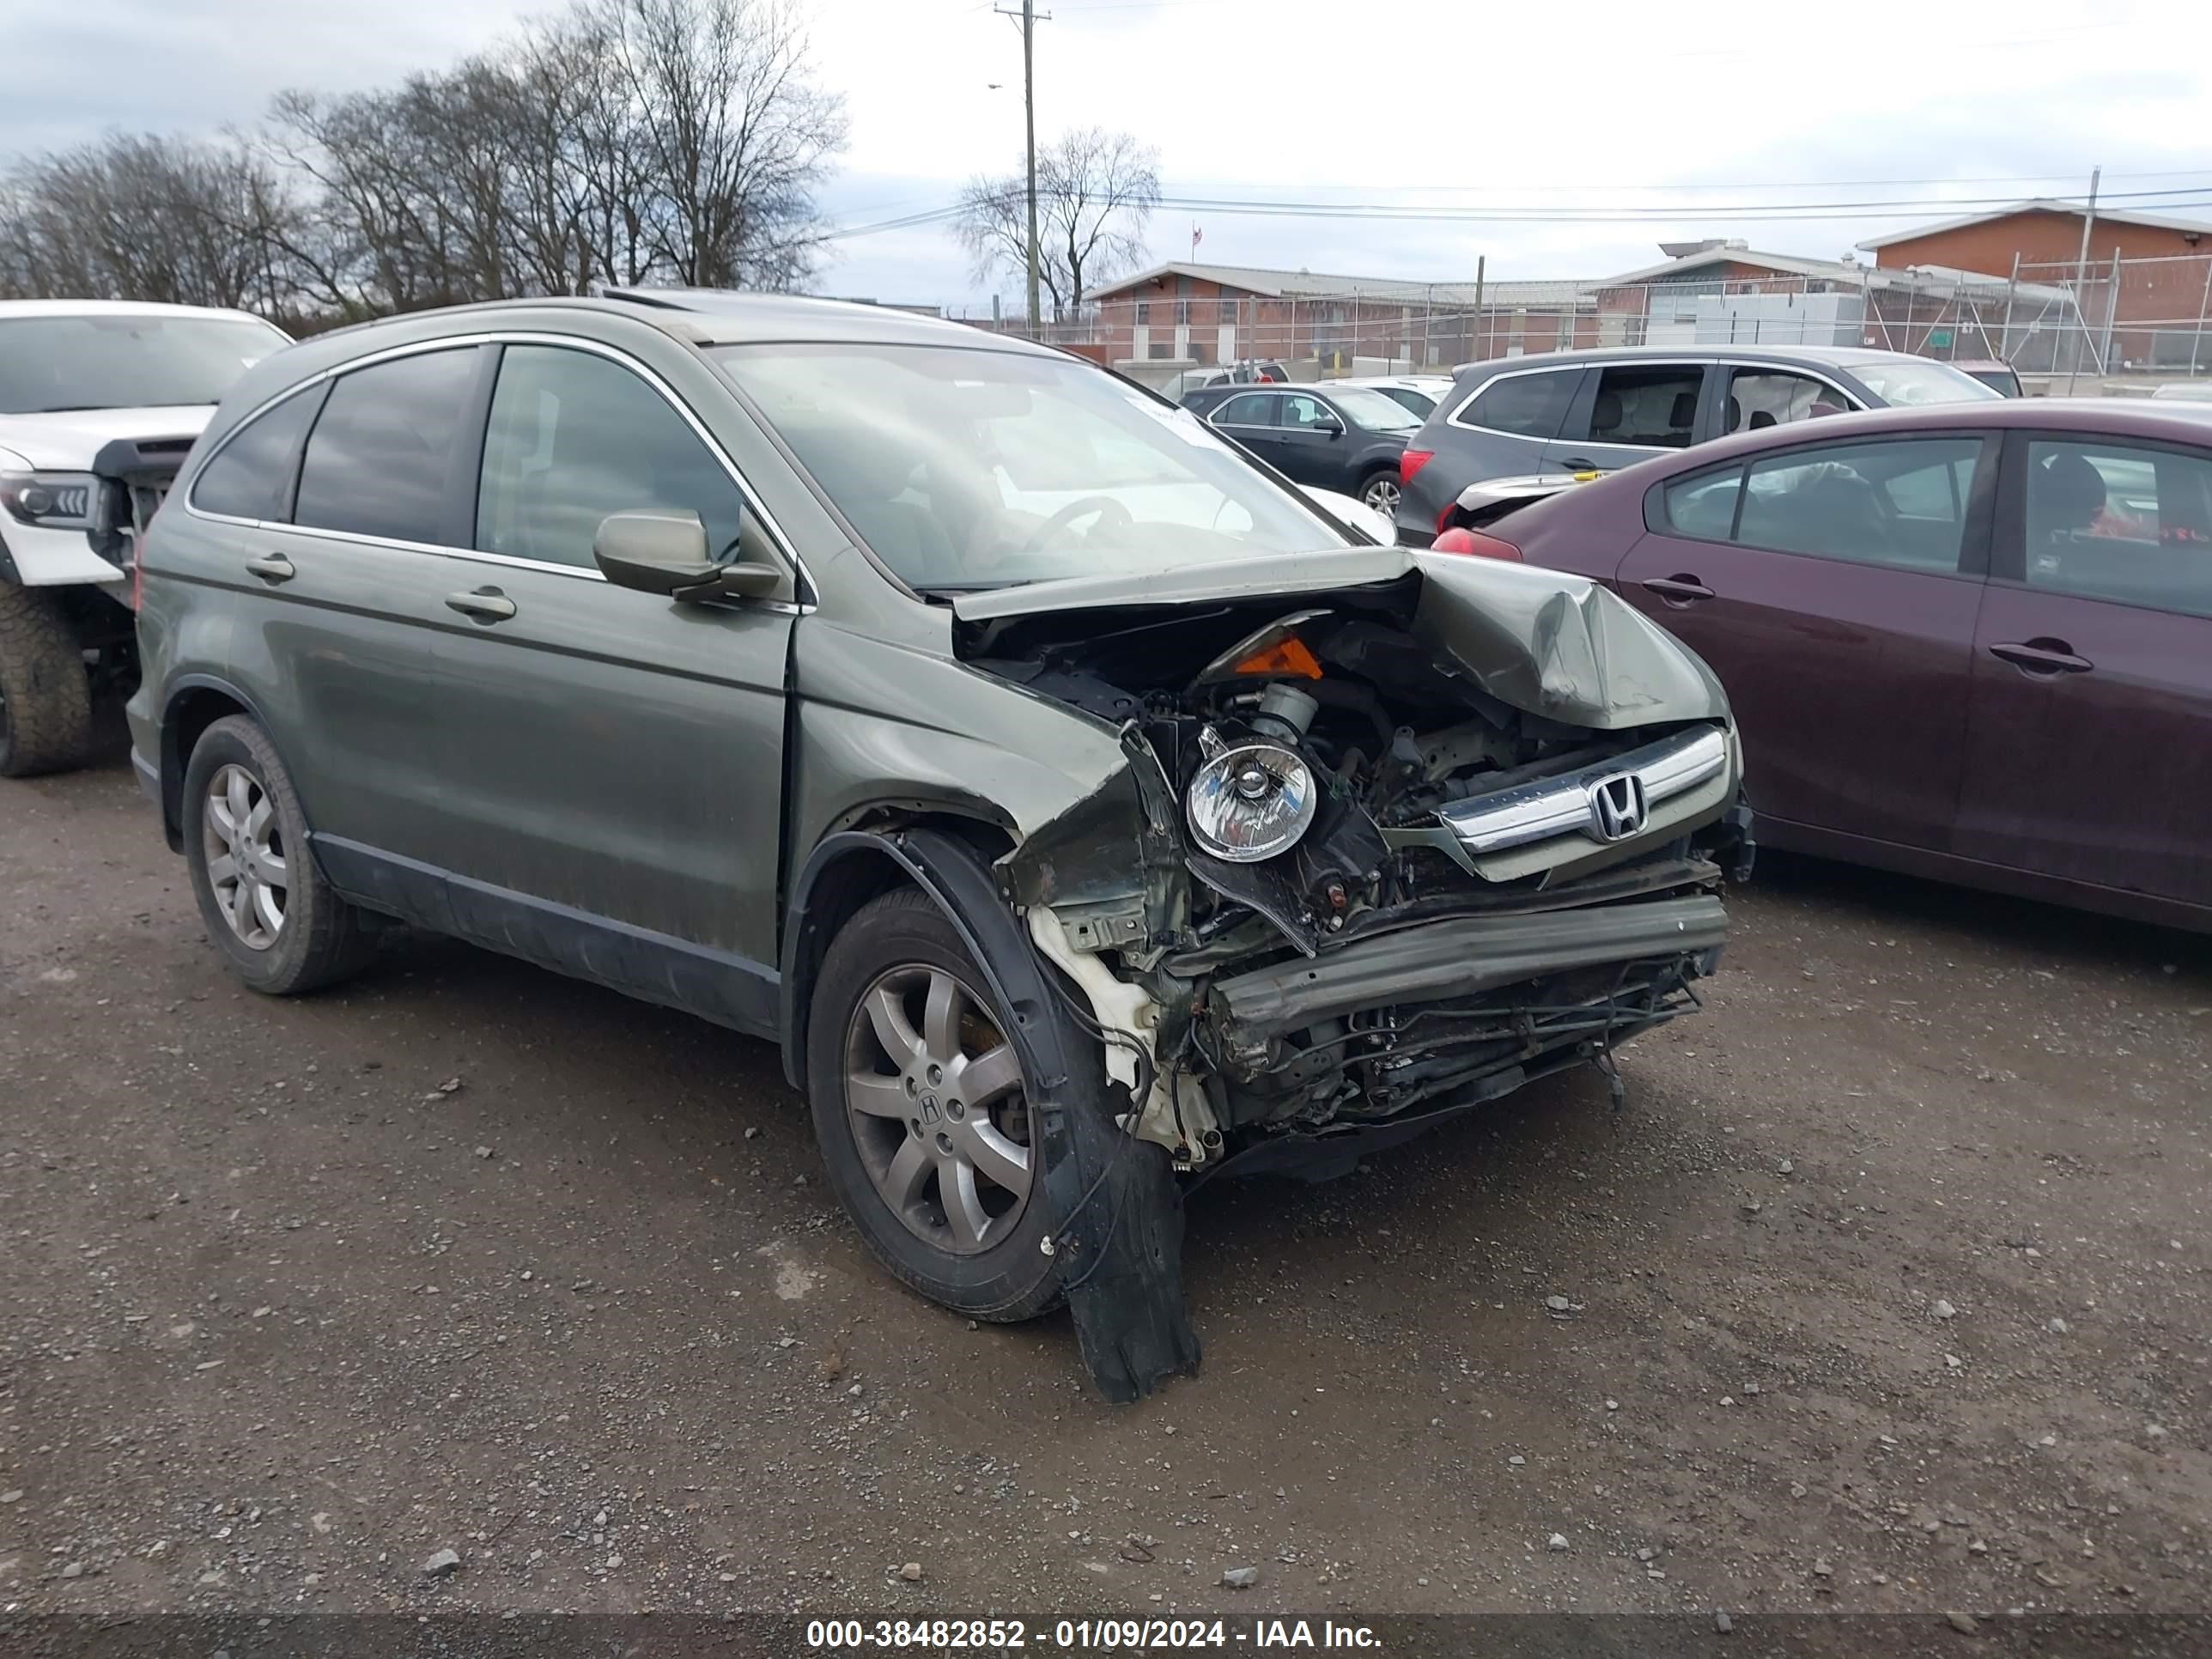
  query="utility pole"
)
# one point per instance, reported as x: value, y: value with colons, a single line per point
x: 1031, y: 16
x: 2081, y: 276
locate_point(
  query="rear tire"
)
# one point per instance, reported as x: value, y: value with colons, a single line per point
x: 1378, y: 492
x: 46, y: 696
x: 281, y: 926
x: 903, y: 940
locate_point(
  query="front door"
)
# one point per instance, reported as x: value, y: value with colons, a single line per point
x: 613, y: 760
x: 1311, y: 441
x: 1834, y: 589
x: 2091, y: 724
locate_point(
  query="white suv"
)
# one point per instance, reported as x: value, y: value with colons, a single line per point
x: 100, y: 402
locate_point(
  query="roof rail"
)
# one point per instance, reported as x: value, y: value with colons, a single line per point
x: 637, y: 296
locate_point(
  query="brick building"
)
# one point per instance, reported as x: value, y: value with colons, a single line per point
x: 2146, y: 287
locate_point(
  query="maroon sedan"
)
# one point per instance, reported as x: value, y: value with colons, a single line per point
x: 1972, y: 642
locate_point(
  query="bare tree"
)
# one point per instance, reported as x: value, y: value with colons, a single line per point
x: 735, y: 135
x: 1095, y: 191
x: 130, y: 217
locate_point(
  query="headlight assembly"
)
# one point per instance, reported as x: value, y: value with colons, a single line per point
x: 1251, y: 802
x: 52, y: 501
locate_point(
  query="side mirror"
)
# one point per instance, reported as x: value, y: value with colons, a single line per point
x: 1329, y: 427
x: 665, y: 552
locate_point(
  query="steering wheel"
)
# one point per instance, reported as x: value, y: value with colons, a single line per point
x: 1111, y: 512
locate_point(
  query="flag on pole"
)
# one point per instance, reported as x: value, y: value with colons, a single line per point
x: 1196, y: 235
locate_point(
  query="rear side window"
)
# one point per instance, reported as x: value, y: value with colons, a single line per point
x: 1526, y: 405
x: 1900, y: 503
x: 251, y: 475
x: 1702, y: 506
x: 1654, y: 408
x: 380, y: 461
x: 573, y: 438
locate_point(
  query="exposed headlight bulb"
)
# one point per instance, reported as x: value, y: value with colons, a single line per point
x: 1251, y: 802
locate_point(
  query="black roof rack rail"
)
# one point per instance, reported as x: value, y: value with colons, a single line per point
x: 637, y: 296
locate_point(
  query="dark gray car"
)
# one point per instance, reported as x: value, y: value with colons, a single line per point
x: 1565, y: 412
x: 1082, y: 809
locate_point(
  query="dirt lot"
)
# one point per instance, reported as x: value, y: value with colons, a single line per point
x: 1888, y: 1291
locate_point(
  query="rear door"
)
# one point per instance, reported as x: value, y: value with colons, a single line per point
x: 613, y: 760
x: 1628, y: 412
x: 338, y: 622
x: 1833, y: 589
x: 2090, y: 726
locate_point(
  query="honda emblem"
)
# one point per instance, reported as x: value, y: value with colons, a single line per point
x: 1619, y: 808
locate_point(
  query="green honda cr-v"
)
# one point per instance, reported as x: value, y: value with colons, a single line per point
x: 1084, y: 808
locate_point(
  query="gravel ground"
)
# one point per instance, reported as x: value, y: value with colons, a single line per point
x: 1888, y: 1291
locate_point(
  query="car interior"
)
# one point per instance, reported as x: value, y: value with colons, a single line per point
x: 2130, y: 527
x: 1652, y: 409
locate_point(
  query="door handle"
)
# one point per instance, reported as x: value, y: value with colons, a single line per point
x: 272, y: 568
x: 1679, y: 589
x: 483, y: 605
x: 2043, y: 658
x: 1576, y: 464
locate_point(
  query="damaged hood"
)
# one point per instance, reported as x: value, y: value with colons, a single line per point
x: 1552, y: 644
x: 67, y: 440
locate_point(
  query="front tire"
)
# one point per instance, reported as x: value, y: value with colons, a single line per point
x: 283, y: 927
x: 918, y: 1103
x: 46, y: 696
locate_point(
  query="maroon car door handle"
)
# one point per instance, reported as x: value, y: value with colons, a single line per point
x: 2043, y: 657
x: 1679, y: 589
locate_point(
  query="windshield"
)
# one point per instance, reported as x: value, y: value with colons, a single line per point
x: 1911, y: 383
x: 1364, y: 406
x: 965, y: 468
x: 48, y: 364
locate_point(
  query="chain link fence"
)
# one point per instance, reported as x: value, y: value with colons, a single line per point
x: 2062, y: 328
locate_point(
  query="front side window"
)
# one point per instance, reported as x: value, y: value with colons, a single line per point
x: 911, y: 444
x: 1759, y: 398
x: 1900, y: 503
x: 2110, y: 521
x: 1417, y: 403
x: 572, y: 438
x: 380, y: 461
x: 1301, y: 413
x: 251, y: 475
x: 1653, y: 408
x: 110, y: 360
x: 1525, y: 405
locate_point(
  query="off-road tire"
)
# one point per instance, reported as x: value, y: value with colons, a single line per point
x: 45, y: 724
x: 323, y: 939
x: 1006, y: 1282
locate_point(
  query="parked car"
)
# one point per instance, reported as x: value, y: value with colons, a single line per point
x: 1420, y: 393
x: 1338, y: 437
x: 98, y: 403
x: 1972, y: 642
x: 1594, y: 411
x: 1078, y: 804
x: 2000, y: 378
x: 1250, y: 371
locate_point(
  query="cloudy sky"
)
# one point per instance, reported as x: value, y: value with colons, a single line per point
x: 1555, y: 142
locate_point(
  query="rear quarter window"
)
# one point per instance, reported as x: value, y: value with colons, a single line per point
x: 251, y: 475
x: 1533, y: 405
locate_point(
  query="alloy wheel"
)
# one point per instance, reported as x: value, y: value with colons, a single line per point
x: 244, y: 841
x: 933, y: 1095
x: 1382, y: 496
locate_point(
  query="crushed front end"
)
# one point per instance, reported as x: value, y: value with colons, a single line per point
x: 1403, y: 845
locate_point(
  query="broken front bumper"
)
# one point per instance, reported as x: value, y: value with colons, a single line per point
x: 1442, y: 961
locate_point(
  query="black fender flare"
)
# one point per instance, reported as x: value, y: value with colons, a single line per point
x: 1117, y: 1238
